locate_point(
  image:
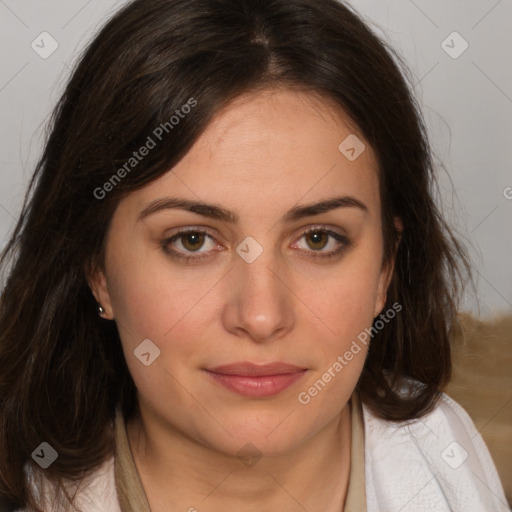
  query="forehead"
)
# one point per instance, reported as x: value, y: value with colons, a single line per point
x: 271, y: 150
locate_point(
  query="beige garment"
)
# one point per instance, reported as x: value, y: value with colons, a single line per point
x: 130, y: 492
x: 132, y: 497
x: 356, y: 491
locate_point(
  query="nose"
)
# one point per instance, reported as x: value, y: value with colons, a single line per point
x: 260, y: 304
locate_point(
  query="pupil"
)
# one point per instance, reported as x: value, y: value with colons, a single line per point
x: 317, y: 236
x: 192, y: 239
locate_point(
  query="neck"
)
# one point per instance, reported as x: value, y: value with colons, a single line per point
x: 179, y: 473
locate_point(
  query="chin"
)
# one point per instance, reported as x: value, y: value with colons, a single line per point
x: 261, y: 434
x: 258, y: 445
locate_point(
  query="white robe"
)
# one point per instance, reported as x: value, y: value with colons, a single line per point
x: 438, y: 463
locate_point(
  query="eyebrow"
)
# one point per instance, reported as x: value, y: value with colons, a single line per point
x: 214, y: 211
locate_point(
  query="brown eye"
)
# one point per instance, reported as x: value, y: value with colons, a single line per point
x: 319, y: 239
x: 192, y: 241
x: 324, y: 243
x: 184, y: 244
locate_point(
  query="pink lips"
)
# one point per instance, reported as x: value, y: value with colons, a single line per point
x: 257, y: 380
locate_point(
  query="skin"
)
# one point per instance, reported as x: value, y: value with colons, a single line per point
x: 264, y: 154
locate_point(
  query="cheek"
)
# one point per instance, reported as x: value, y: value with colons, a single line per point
x: 348, y: 315
x: 166, y: 311
x: 348, y: 302
x: 151, y: 300
x: 347, y: 309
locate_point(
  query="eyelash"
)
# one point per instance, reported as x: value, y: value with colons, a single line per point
x: 344, y: 243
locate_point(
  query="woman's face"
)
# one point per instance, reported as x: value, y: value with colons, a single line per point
x: 257, y: 288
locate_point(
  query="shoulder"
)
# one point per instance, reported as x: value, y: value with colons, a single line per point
x: 436, y: 462
x: 95, y: 492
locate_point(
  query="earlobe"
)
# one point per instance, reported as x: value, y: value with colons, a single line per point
x: 98, y: 284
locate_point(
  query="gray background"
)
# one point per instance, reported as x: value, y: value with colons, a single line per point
x: 467, y: 103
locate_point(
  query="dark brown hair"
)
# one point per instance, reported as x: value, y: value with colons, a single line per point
x: 62, y: 369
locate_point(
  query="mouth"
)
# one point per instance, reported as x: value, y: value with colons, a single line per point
x: 256, y: 380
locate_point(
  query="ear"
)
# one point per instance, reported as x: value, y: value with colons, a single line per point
x: 387, y: 272
x: 97, y: 280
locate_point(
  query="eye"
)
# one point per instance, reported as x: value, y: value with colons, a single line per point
x: 191, y: 240
x: 321, y: 238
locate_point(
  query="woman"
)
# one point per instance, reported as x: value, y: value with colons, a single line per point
x: 231, y: 287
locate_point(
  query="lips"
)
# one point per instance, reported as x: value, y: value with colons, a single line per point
x: 256, y: 380
x: 256, y: 370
